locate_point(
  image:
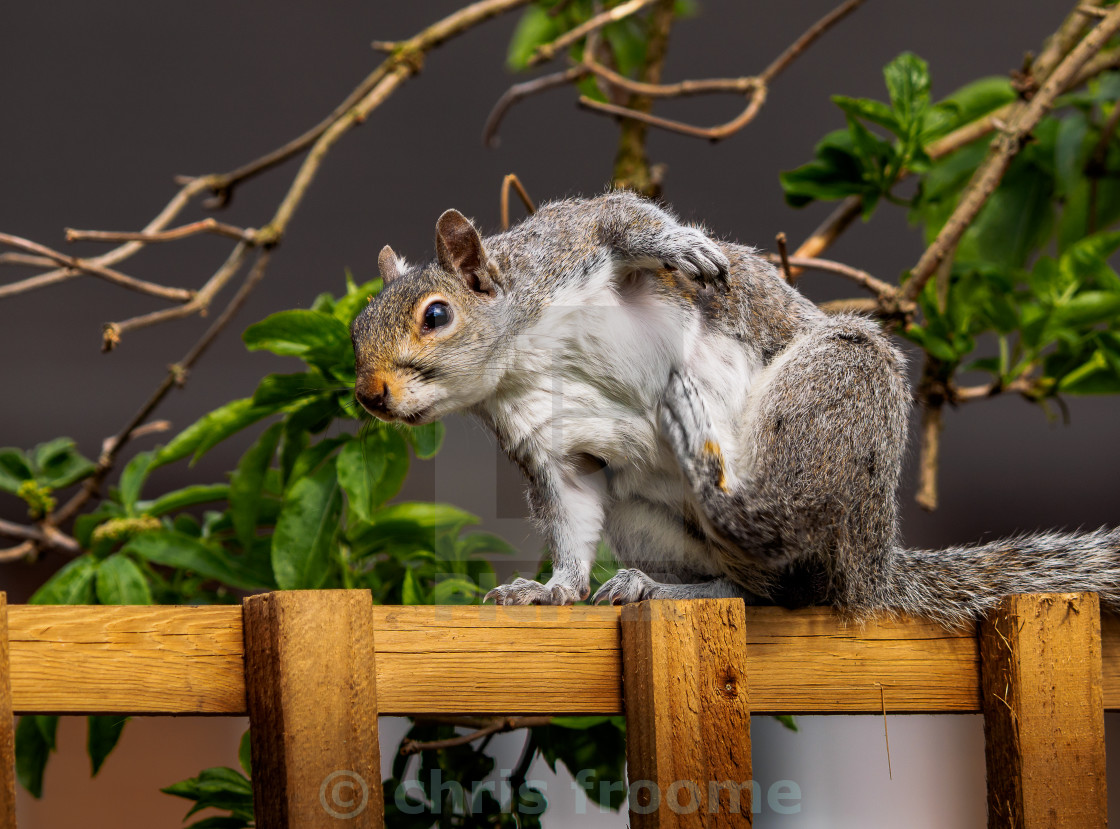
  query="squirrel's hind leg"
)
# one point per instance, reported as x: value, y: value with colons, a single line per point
x: 631, y: 585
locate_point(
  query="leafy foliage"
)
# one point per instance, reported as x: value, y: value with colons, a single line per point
x: 1032, y: 273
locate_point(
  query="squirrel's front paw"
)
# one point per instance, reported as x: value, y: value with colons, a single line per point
x: 626, y: 586
x: 693, y: 253
x: 526, y: 591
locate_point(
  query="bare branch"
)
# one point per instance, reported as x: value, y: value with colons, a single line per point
x: 795, y: 49
x: 881, y: 289
x: 25, y: 549
x: 717, y: 133
x: 176, y: 376
x: 783, y: 258
x: 681, y: 89
x: 181, y: 232
x: 1005, y: 148
x: 497, y: 726
x: 512, y: 181
x: 521, y: 91
x: 756, y: 88
x: 77, y: 266
x: 929, y: 456
x: 111, y: 335
x: 548, y: 51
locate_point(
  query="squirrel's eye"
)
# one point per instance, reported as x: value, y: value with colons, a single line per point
x: 436, y: 315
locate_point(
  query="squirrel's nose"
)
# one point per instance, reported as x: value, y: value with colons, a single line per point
x: 374, y: 397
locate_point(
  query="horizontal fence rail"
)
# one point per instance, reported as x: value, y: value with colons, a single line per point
x: 477, y: 660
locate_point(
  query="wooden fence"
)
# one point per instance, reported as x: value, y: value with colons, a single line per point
x: 314, y: 669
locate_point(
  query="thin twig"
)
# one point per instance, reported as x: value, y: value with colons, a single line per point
x: 497, y: 726
x: 87, y: 266
x: 26, y: 259
x: 1005, y: 148
x: 154, y: 427
x: 23, y: 550
x: 177, y: 375
x: 966, y: 394
x: 183, y: 231
x: 1092, y: 11
x: 929, y: 455
x: 112, y: 331
x: 512, y: 181
x: 681, y: 89
x: 783, y: 258
x: 518, y: 92
x: 548, y: 51
x: 756, y: 88
x: 41, y: 536
x: 881, y: 289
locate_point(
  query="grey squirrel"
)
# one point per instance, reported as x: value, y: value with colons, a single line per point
x: 751, y: 444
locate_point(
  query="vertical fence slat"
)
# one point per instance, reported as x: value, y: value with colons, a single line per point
x: 309, y: 675
x: 1044, y: 712
x: 688, y: 737
x: 7, y: 728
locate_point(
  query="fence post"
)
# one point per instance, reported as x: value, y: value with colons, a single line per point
x: 309, y: 677
x: 7, y: 728
x: 688, y: 725
x: 1044, y: 712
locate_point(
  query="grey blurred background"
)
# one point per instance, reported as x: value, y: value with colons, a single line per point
x: 101, y: 103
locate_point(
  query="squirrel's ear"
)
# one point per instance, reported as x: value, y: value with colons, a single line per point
x: 387, y: 265
x: 459, y: 250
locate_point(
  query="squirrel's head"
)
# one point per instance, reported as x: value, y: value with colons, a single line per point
x: 422, y: 346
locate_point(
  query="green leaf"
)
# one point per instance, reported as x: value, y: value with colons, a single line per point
x: 907, y: 79
x: 120, y: 581
x: 14, y: 469
x: 175, y: 549
x: 133, y: 477
x: 627, y: 39
x: 247, y: 482
x: 357, y: 297
x: 787, y: 720
x: 1088, y: 308
x: 58, y: 464
x: 874, y: 111
x: 245, y: 754
x: 73, y: 584
x: 425, y: 439
x: 361, y: 466
x: 410, y: 589
x: 316, y: 338
x: 835, y: 173
x: 1015, y: 222
x: 535, y: 28
x: 427, y: 516
x: 280, y: 390
x: 975, y: 100
x: 313, y: 457
x: 182, y: 498
x: 35, y: 740
x: 104, y: 733
x: 305, y: 530
x: 210, y: 430
x: 218, y: 788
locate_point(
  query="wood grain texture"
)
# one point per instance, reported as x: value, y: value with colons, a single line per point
x: 1043, y: 713
x: 688, y: 718
x: 313, y: 709
x: 531, y: 660
x: 7, y: 729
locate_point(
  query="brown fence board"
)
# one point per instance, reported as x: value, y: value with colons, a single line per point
x: 188, y: 660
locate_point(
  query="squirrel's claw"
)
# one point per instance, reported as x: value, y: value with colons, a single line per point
x: 526, y: 591
x: 698, y: 256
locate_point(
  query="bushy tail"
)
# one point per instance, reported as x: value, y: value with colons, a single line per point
x: 957, y: 585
